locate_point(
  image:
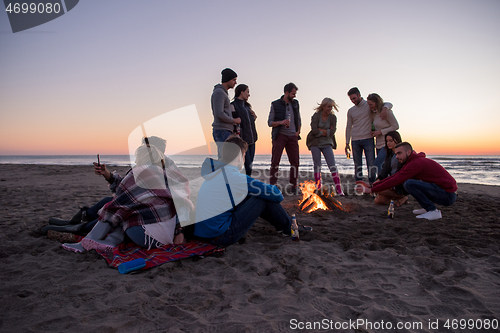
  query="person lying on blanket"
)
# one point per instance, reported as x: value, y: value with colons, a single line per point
x: 143, y: 207
x: 230, y: 202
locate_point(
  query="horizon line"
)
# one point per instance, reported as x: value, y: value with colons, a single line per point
x: 284, y: 153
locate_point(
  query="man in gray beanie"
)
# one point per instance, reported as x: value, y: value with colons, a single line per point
x: 222, y: 109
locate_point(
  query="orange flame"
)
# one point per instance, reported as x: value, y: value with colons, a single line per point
x: 339, y: 205
x: 308, y: 187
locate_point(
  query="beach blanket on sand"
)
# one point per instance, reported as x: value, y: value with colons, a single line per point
x: 156, y: 257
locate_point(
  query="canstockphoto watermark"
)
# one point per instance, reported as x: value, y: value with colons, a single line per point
x: 485, y: 324
x: 329, y: 324
x: 26, y: 14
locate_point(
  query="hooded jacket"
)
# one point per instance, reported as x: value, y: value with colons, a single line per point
x: 221, y: 109
x: 221, y: 192
x: 420, y: 168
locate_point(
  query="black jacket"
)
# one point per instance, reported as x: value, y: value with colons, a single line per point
x: 248, y: 131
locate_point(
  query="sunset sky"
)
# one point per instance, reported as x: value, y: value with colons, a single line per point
x: 82, y: 83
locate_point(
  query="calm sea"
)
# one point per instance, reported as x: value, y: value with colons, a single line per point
x: 465, y: 169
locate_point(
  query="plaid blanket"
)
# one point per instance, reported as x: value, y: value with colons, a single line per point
x: 143, y: 197
x: 156, y: 257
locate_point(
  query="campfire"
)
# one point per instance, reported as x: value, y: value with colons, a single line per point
x: 313, y: 199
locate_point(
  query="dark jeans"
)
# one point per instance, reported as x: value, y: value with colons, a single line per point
x: 92, y: 214
x: 219, y: 137
x: 249, y: 156
x: 379, y: 161
x: 247, y: 213
x: 291, y: 145
x: 366, y: 145
x: 427, y: 194
x: 139, y: 237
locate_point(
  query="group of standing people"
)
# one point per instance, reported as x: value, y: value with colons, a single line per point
x: 371, y: 129
x: 366, y: 120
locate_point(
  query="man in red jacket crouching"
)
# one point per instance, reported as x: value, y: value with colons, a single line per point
x: 426, y: 180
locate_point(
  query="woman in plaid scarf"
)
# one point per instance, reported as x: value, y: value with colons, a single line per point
x: 143, y: 207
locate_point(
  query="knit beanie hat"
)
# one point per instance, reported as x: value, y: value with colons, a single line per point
x: 228, y: 74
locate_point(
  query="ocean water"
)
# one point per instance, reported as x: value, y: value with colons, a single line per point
x: 466, y: 169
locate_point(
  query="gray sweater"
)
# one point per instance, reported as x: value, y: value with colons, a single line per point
x: 221, y: 109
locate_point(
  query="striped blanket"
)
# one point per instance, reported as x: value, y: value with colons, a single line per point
x: 156, y: 257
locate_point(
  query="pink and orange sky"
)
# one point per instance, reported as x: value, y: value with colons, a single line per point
x: 82, y: 83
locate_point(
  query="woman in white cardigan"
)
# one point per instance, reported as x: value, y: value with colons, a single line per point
x: 380, y: 127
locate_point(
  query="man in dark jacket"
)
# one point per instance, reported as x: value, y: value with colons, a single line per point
x: 426, y: 180
x: 284, y: 118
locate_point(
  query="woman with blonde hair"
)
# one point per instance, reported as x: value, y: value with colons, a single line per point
x: 321, y: 140
x: 380, y: 127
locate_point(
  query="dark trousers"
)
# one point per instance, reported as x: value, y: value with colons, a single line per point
x: 249, y: 156
x: 291, y: 145
x: 247, y: 213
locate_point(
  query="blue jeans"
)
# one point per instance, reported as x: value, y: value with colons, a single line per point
x: 329, y: 157
x: 249, y: 156
x: 368, y: 146
x: 379, y: 161
x: 247, y: 213
x: 427, y: 194
x: 219, y: 137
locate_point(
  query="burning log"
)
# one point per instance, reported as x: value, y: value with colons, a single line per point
x: 313, y: 202
x: 326, y: 201
x: 310, y: 208
x: 313, y: 199
x: 336, y: 203
x: 306, y: 202
x: 307, y: 208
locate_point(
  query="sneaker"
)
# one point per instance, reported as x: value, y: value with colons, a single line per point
x: 303, y: 228
x: 419, y: 211
x: 432, y: 215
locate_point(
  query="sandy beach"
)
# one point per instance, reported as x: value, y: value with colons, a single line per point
x: 356, y: 266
